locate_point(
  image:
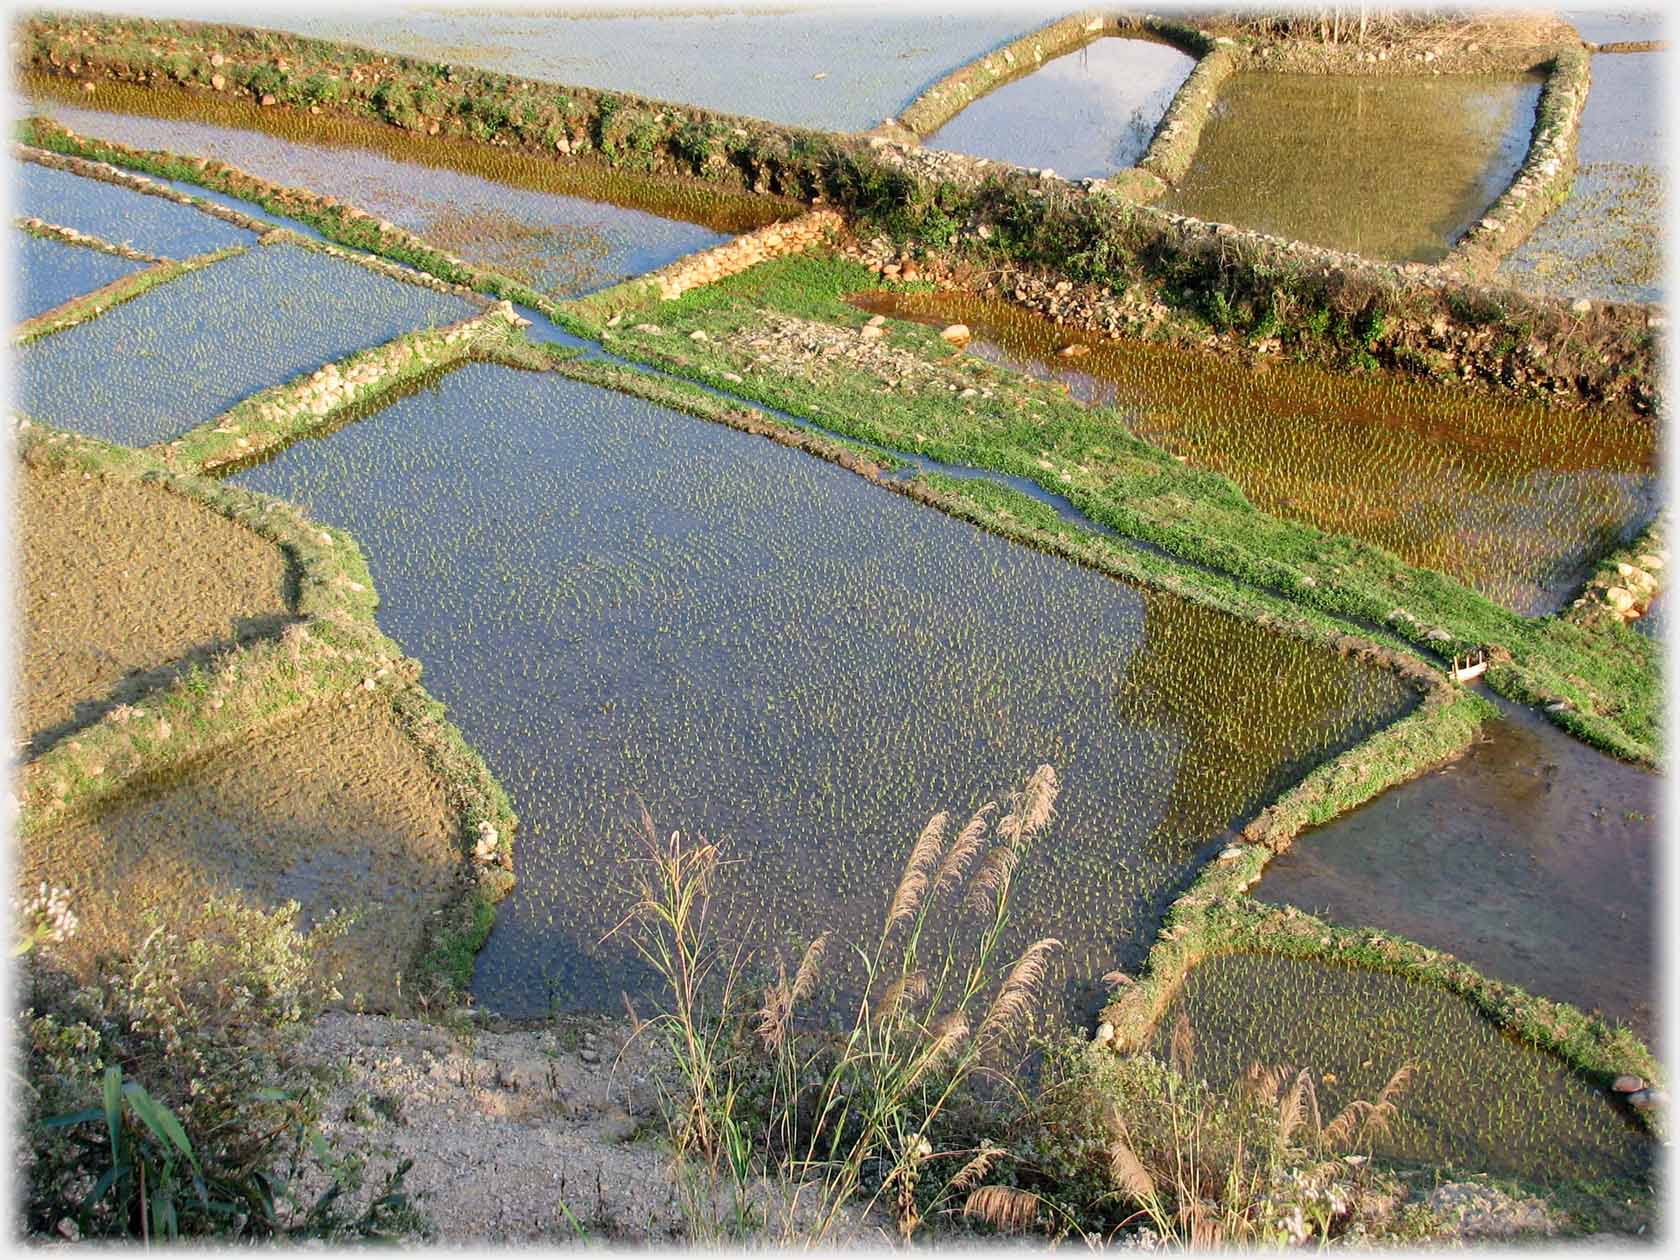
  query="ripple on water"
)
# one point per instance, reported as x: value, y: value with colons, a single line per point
x: 615, y: 599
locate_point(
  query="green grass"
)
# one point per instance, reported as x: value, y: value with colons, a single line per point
x: 1606, y: 680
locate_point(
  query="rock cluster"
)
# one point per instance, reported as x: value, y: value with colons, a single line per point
x: 744, y: 251
x: 58, y: 232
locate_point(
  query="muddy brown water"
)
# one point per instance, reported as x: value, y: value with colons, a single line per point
x: 1085, y: 114
x: 337, y: 810
x: 1532, y: 857
x: 564, y: 226
x: 1392, y: 168
x: 121, y: 585
x: 1514, y: 499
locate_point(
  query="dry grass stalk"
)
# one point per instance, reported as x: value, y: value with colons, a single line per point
x: 1181, y: 1053
x: 1014, y: 999
x: 973, y: 1172
x: 955, y: 863
x: 908, y: 896
x: 1002, y: 1207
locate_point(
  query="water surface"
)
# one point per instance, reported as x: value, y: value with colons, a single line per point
x: 1532, y: 857
x: 1478, y: 1101
x: 617, y: 600
x: 153, y: 225
x: 562, y: 245
x: 840, y: 67
x: 1389, y: 168
x: 185, y: 351
x: 1605, y: 241
x: 1514, y: 499
x: 49, y: 272
x: 1085, y: 114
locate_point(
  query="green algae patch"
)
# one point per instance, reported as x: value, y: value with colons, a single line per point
x: 124, y: 584
x: 1391, y: 168
x: 1514, y: 499
x: 1476, y: 1100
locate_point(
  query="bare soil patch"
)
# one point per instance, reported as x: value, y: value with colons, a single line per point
x: 123, y: 585
x: 337, y: 810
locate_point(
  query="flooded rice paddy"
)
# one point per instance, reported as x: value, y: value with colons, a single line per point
x: 614, y: 599
x: 1392, y: 168
x: 184, y: 352
x: 153, y: 225
x: 337, y: 811
x: 1085, y: 114
x: 48, y: 273
x: 1605, y: 241
x: 1514, y: 499
x: 1533, y: 857
x: 841, y: 67
x: 122, y: 583
x: 1480, y: 1100
x: 541, y: 222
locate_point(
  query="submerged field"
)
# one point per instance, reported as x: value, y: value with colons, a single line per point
x: 1085, y: 114
x: 627, y: 598
x: 1517, y: 500
x: 50, y: 273
x: 1478, y: 1101
x: 619, y: 601
x: 188, y: 350
x: 558, y: 244
x: 1392, y: 168
x: 336, y: 810
x: 121, y: 584
x: 1530, y: 840
x: 121, y: 215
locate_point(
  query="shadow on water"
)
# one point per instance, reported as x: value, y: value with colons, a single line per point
x: 1532, y: 857
x: 1393, y: 168
x: 1087, y: 113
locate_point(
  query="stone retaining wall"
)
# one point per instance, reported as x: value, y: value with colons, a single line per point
x: 744, y: 251
x: 1543, y: 181
x: 277, y: 415
x: 70, y: 236
x: 1089, y: 235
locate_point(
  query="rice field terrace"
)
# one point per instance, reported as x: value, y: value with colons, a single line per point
x: 187, y: 351
x: 1477, y: 1100
x: 1605, y: 241
x: 1558, y: 842
x: 559, y: 244
x: 1516, y: 500
x: 51, y: 272
x: 1084, y: 114
x: 547, y: 522
x: 121, y: 581
x: 617, y: 600
x: 1387, y: 168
